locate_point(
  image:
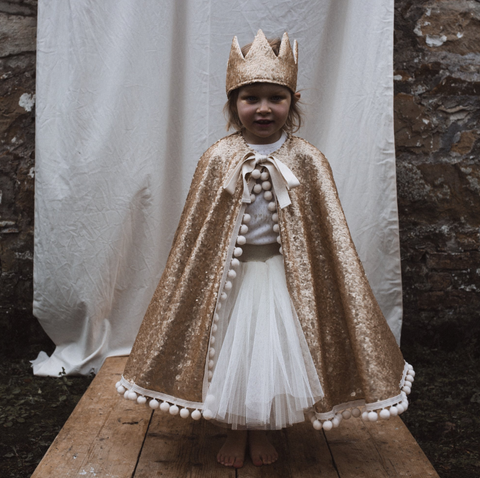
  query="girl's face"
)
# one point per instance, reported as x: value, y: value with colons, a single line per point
x: 263, y: 109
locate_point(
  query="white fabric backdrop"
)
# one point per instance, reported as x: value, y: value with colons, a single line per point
x: 129, y: 95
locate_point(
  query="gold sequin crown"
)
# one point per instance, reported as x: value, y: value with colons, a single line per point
x: 262, y: 65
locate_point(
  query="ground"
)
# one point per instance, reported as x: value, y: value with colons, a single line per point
x: 444, y: 412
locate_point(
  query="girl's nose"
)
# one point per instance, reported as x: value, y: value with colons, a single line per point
x: 263, y: 107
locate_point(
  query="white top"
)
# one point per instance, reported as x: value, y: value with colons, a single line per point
x: 260, y: 228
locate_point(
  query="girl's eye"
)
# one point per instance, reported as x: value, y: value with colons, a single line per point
x: 251, y: 99
x: 276, y: 99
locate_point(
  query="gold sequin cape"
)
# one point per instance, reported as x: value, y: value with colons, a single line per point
x: 355, y: 353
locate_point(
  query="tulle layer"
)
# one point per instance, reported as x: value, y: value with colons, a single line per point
x: 263, y: 376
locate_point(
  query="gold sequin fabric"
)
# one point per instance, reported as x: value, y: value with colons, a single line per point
x: 354, y: 352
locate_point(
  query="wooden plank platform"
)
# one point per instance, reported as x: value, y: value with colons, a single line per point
x: 107, y: 436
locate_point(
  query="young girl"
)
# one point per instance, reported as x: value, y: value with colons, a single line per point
x: 263, y: 314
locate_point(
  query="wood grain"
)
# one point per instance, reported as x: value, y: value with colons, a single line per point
x: 104, y: 434
x: 377, y: 449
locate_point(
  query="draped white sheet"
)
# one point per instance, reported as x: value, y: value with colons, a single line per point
x: 130, y: 93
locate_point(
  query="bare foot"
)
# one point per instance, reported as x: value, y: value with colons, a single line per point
x: 232, y: 452
x: 262, y: 452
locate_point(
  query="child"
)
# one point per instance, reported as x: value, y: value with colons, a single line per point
x: 263, y: 313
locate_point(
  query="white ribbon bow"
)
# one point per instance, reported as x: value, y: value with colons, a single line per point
x: 281, y: 175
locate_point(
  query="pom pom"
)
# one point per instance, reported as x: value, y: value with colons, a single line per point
x: 165, y: 407
x: 118, y: 384
x: 373, y: 416
x: 210, y: 399
x: 365, y: 416
x: 219, y: 305
x: 174, y: 410
x: 409, y: 379
x: 184, y: 413
x: 335, y: 422
x: 257, y: 188
x: 411, y: 373
x: 132, y: 396
x: 256, y: 174
x: 207, y: 414
x: 405, y: 405
x: 280, y: 250
x: 272, y: 206
x: 275, y: 217
x: 409, y: 367
x: 243, y: 229
x: 212, y: 340
x: 210, y: 375
x: 121, y: 389
x: 211, y: 353
x: 407, y: 389
x: 266, y: 185
x: 241, y: 240
x: 264, y: 176
x: 154, y: 404
x: 400, y: 409
x: 238, y: 251
x: 276, y: 228
x: 216, y: 317
x: 393, y: 411
x: 246, y: 218
x: 223, y: 296
x: 141, y: 400
x: 279, y: 239
x: 328, y: 425
x: 228, y: 285
x: 214, y: 328
x: 267, y: 195
x: 252, y: 198
x: 346, y: 414
x: 356, y: 412
x: 211, y: 364
x: 385, y: 414
x: 235, y: 263
x: 232, y: 274
x: 196, y: 415
x: 317, y: 424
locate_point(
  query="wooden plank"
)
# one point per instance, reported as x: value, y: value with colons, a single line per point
x: 177, y: 447
x: 379, y: 449
x: 103, y: 436
x: 303, y: 453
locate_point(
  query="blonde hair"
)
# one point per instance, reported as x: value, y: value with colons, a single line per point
x: 294, y: 118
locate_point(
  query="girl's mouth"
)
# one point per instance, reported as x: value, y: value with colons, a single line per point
x: 264, y: 122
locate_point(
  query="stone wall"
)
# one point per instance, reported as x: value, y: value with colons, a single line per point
x: 17, y: 172
x: 437, y: 110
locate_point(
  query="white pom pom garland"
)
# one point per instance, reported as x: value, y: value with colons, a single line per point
x: 257, y: 188
x: 207, y: 414
x: 346, y: 414
x: 174, y: 410
x: 165, y: 407
x: 196, y: 415
x: 384, y: 414
x: 184, y: 413
x: 267, y: 195
x: 276, y: 228
x: 246, y: 218
x: 327, y: 425
x: 373, y: 416
x: 275, y: 217
x: 264, y: 176
x: 256, y: 174
x: 235, y: 263
x: 228, y: 285
x: 393, y: 411
x: 121, y: 390
x: 118, y: 384
x: 272, y: 206
x: 365, y: 416
x: 317, y: 424
x: 154, y: 404
x: 141, y: 400
x: 238, y: 251
x: 266, y: 185
x: 252, y: 198
x: 356, y: 412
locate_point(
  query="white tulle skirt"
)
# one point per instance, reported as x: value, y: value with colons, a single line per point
x: 263, y: 375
